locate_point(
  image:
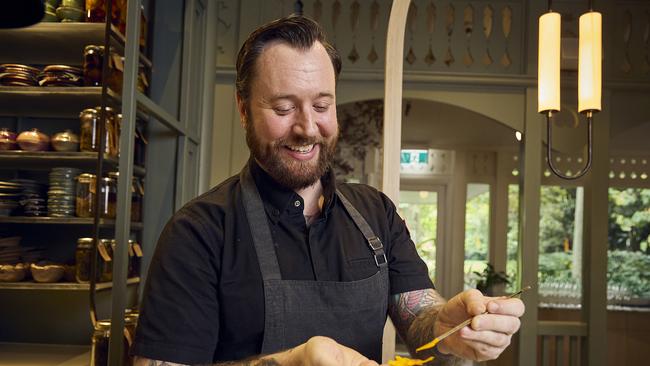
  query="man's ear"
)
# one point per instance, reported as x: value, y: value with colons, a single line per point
x: 241, y: 107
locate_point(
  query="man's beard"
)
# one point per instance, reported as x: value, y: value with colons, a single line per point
x: 291, y: 173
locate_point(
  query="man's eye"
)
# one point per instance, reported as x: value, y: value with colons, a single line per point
x: 283, y: 110
x: 321, y: 107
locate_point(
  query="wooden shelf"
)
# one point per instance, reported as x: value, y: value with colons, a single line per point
x: 51, y: 101
x: 45, y: 160
x: 61, y: 286
x: 57, y: 43
x: 44, y: 220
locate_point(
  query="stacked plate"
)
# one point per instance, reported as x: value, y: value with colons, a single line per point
x: 10, y: 250
x: 9, y: 197
x: 61, y: 75
x: 18, y: 75
x: 32, y: 197
x: 61, y: 196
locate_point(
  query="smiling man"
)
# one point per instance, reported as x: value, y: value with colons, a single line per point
x: 281, y: 265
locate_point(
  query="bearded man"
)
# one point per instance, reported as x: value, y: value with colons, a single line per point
x: 281, y: 265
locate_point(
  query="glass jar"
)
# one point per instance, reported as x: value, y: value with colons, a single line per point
x: 100, y: 339
x: 108, y: 197
x: 130, y: 257
x: 111, y: 142
x: 105, y: 260
x: 85, y: 197
x: 93, y: 61
x: 137, y: 258
x: 89, y: 124
x: 96, y: 11
x: 84, y: 260
x: 137, y: 198
x: 88, y: 119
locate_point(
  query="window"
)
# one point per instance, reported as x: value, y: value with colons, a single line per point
x: 628, y: 257
x: 477, y: 231
x: 560, y: 244
x: 420, y: 211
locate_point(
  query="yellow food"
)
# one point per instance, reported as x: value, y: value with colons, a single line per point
x: 428, y: 345
x: 403, y: 361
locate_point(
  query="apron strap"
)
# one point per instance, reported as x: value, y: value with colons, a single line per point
x: 259, y: 226
x: 375, y: 244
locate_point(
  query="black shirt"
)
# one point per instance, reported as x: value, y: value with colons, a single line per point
x: 204, y: 302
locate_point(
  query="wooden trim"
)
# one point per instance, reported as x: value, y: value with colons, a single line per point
x: 561, y: 328
x: 393, y: 125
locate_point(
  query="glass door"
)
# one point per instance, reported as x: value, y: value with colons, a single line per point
x: 422, y: 210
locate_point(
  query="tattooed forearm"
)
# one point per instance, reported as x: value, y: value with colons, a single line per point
x: 414, y: 314
x: 258, y: 362
x: 404, y: 308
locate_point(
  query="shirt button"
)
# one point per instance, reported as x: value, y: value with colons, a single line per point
x: 297, y: 203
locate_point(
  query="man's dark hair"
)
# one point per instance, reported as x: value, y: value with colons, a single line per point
x: 296, y: 31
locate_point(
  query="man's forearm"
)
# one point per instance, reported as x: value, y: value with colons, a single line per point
x: 269, y: 360
x: 414, y: 315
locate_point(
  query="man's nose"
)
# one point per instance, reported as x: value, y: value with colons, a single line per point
x: 306, y: 123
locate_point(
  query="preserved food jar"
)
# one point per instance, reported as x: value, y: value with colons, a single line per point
x: 111, y: 142
x: 84, y: 260
x: 137, y: 258
x: 88, y: 119
x: 89, y: 124
x: 105, y: 260
x: 93, y: 61
x: 108, y: 197
x: 85, y: 197
x: 99, y: 349
x: 96, y: 11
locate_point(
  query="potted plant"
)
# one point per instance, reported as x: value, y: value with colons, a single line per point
x: 487, y: 279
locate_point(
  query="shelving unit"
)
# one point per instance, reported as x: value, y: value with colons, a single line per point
x: 51, y: 101
x: 63, y: 43
x: 40, y: 160
x: 61, y: 286
x: 172, y: 154
x: 46, y: 220
x: 51, y: 50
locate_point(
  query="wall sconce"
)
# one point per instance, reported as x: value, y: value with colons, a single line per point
x: 589, y: 75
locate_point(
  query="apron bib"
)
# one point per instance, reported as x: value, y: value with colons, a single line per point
x: 352, y: 313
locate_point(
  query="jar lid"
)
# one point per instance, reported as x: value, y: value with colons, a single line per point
x: 105, y: 241
x: 107, y: 109
x: 108, y: 180
x: 93, y: 48
x: 88, y: 111
x: 114, y: 175
x: 103, y: 325
x: 85, y: 242
x: 86, y: 177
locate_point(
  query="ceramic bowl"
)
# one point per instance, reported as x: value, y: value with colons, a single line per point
x: 11, y: 273
x: 70, y: 14
x: 33, y: 140
x: 50, y: 17
x: 7, y: 140
x: 79, y: 4
x: 65, y: 141
x: 48, y: 273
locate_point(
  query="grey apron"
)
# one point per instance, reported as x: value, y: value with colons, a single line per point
x: 352, y: 313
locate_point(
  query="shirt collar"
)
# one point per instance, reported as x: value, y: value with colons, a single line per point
x: 278, y: 198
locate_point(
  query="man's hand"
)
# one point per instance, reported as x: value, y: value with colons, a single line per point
x: 317, y: 351
x: 323, y: 351
x: 495, y: 320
